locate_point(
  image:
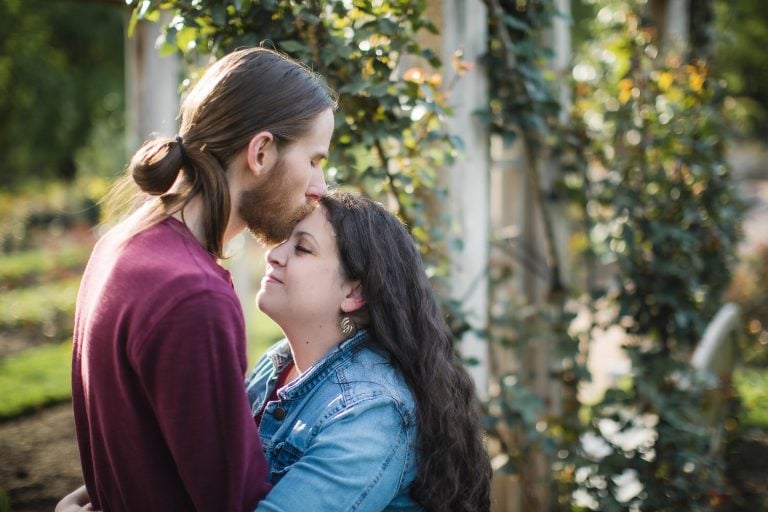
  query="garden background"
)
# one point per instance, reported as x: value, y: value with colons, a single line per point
x: 660, y: 172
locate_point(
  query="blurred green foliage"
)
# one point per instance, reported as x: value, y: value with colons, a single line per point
x: 664, y: 212
x: 749, y: 290
x: 740, y: 58
x: 262, y: 333
x: 644, y: 173
x: 46, y: 310
x: 61, y: 75
x: 35, y: 378
x: 26, y: 268
x: 37, y: 214
x: 752, y: 386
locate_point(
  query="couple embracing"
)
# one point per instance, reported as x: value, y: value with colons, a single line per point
x: 362, y: 407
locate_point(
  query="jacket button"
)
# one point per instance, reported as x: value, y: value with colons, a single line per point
x: 279, y: 413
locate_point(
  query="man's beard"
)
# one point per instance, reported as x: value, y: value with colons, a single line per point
x: 265, y: 207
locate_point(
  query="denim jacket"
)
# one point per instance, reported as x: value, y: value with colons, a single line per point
x: 342, y: 437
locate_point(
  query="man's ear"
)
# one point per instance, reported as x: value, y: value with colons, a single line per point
x: 354, y: 299
x: 262, y: 152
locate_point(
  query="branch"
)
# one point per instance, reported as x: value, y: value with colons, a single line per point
x: 498, y: 14
x: 385, y: 165
x: 529, y: 142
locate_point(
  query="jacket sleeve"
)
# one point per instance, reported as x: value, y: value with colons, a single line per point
x: 191, y: 366
x: 357, y: 462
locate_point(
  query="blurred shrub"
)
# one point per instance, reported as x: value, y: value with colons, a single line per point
x: 663, y: 210
x: 750, y: 290
x: 742, y: 29
x: 38, y: 266
x: 61, y: 74
x: 752, y: 387
x: 34, y: 378
x: 47, y: 310
x: 37, y: 214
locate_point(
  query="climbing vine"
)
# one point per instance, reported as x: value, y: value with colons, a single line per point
x: 642, y: 167
x: 665, y: 213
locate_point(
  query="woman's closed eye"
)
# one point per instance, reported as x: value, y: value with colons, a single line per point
x: 300, y: 249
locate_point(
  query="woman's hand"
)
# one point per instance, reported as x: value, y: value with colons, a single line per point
x: 76, y: 501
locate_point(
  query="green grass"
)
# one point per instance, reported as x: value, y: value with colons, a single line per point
x: 41, y: 265
x: 49, y: 308
x: 752, y: 386
x: 36, y: 377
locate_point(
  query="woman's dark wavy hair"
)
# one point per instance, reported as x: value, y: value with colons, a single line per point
x: 243, y: 93
x: 403, y: 316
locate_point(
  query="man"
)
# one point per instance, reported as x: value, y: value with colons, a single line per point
x: 159, y: 356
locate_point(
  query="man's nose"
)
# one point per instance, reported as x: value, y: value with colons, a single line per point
x: 317, y: 187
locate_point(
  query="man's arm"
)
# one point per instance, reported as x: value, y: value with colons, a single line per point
x: 192, y: 367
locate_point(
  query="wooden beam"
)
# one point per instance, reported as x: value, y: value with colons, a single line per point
x: 465, y: 28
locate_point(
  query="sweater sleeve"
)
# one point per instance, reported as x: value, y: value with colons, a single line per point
x: 191, y: 365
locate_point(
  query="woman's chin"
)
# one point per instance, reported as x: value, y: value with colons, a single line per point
x: 263, y: 304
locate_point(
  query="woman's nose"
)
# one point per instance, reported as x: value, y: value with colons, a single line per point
x: 276, y: 255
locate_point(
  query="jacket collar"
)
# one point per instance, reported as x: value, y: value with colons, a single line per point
x: 281, y: 356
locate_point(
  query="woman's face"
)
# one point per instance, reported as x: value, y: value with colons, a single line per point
x: 303, y: 287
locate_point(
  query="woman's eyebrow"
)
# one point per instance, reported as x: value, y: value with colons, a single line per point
x: 300, y: 234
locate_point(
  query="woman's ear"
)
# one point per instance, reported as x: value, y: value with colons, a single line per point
x: 262, y: 152
x: 354, y: 299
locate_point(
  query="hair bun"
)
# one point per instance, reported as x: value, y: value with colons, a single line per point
x: 156, y: 165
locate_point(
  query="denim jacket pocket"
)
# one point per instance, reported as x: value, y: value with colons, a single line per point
x: 284, y: 455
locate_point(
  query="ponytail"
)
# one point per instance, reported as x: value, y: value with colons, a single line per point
x: 155, y: 169
x: 208, y: 178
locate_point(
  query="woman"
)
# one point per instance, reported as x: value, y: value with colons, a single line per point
x: 364, y: 405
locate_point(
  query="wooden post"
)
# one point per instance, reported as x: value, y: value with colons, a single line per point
x: 672, y: 18
x: 152, y: 85
x: 465, y: 28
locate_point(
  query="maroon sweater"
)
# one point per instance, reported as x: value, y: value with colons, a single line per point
x: 159, y: 357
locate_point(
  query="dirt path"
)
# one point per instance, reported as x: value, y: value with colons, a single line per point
x: 747, y: 472
x: 39, y: 459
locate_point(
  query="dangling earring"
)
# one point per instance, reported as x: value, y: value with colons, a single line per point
x: 348, y: 327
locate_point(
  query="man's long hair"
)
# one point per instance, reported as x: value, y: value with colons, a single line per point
x: 242, y: 94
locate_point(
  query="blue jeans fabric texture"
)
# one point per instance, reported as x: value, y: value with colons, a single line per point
x: 342, y: 437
